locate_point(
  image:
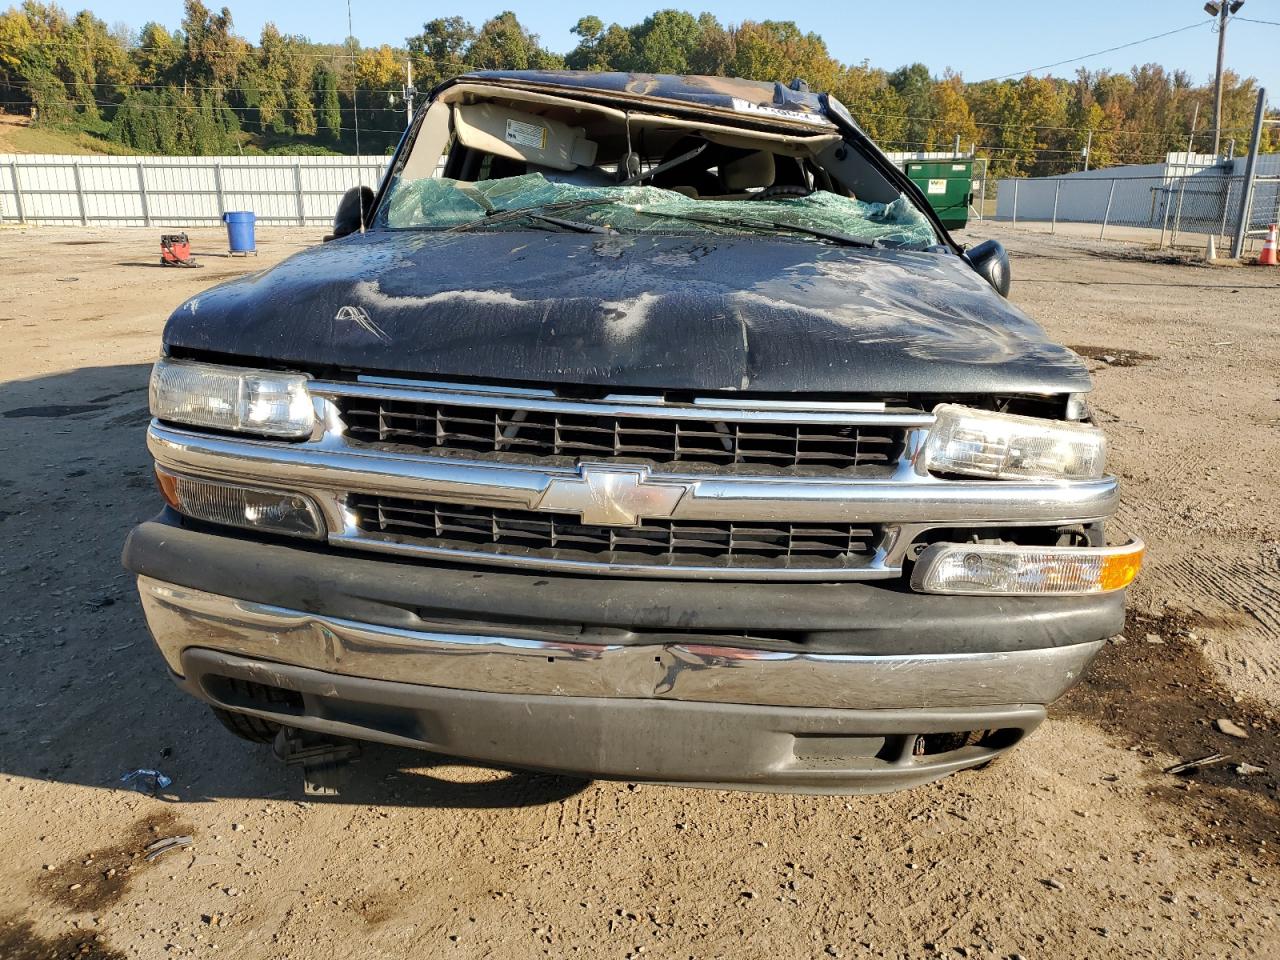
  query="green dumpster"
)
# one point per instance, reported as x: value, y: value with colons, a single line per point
x: 948, y: 185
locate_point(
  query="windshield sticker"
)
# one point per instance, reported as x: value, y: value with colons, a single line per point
x: 746, y: 106
x: 526, y: 134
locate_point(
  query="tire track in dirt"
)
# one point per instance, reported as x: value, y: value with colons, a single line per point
x: 1251, y: 586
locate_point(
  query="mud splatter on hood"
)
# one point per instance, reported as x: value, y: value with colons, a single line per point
x: 643, y: 312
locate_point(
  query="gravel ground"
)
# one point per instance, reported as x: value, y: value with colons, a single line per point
x: 1076, y: 845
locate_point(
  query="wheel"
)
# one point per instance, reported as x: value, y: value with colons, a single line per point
x: 253, y: 729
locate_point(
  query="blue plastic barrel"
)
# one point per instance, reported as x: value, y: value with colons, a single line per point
x: 240, y: 231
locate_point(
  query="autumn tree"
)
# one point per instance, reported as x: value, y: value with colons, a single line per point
x: 873, y: 102
x: 778, y: 50
x: 952, y: 116
x: 157, y: 56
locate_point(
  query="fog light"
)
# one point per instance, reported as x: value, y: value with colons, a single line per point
x: 982, y: 569
x: 269, y: 511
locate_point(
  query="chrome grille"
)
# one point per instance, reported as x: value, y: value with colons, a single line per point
x: 535, y: 534
x: 441, y: 428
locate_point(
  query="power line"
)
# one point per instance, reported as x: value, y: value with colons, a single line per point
x: 186, y: 88
x: 1268, y: 23
x: 175, y: 108
x: 1098, y: 53
x: 933, y: 121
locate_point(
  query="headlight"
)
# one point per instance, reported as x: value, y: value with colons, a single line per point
x: 1007, y: 447
x: 228, y: 398
x: 996, y: 569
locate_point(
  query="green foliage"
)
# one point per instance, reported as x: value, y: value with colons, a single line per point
x: 203, y: 89
x: 172, y: 122
x: 328, y: 103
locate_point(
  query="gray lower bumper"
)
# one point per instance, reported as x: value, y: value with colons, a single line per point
x: 682, y: 712
x: 798, y: 749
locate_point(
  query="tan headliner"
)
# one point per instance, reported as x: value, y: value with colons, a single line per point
x: 789, y: 144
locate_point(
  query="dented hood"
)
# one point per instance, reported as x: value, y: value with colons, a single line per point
x: 643, y: 312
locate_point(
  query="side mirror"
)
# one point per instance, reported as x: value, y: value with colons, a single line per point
x: 353, y: 210
x: 990, y: 261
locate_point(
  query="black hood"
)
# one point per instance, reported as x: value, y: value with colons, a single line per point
x: 633, y: 312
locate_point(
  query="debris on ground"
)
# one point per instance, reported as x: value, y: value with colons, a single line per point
x: 1187, y: 766
x: 146, y: 781
x: 161, y: 847
x: 1231, y: 728
x: 1249, y: 769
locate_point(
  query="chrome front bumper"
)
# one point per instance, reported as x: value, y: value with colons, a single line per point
x: 182, y: 618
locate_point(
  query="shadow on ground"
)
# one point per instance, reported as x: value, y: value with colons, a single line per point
x: 84, y: 697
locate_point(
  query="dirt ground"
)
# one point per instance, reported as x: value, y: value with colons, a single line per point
x: 1077, y: 845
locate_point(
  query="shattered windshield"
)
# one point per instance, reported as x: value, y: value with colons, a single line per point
x: 443, y: 204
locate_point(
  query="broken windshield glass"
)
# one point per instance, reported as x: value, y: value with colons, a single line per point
x: 441, y: 204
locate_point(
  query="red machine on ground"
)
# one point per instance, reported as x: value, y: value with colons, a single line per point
x: 175, y: 251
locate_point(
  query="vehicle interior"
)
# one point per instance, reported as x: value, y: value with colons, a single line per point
x: 486, y: 133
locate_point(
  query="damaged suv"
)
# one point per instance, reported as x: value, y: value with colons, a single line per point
x: 638, y: 427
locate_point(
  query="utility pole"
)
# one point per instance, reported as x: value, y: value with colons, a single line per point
x: 1088, y: 146
x: 1250, y: 172
x: 409, y: 92
x: 1222, y: 9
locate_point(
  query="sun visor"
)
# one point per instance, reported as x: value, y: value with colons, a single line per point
x: 505, y: 132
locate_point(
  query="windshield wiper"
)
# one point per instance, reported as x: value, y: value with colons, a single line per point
x: 577, y: 226
x: 756, y: 224
x: 540, y: 211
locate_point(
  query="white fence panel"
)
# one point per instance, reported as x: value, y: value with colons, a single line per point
x: 177, y: 191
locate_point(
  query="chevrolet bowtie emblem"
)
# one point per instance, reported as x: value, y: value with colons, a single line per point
x: 612, y: 495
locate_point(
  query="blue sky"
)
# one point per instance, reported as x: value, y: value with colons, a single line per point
x: 980, y: 39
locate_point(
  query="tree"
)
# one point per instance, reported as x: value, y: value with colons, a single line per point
x: 328, y: 103
x: 439, y: 52
x: 213, y: 53
x: 953, y: 116
x: 157, y: 55
x: 590, y: 31
x: 270, y: 77
x: 778, y: 50
x: 914, y: 87
x: 299, y: 71
x: 665, y: 42
x: 873, y: 103
x: 504, y: 44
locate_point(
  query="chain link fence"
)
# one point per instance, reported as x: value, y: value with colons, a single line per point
x: 1163, y: 211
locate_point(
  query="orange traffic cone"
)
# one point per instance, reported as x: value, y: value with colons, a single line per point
x: 1268, y: 256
